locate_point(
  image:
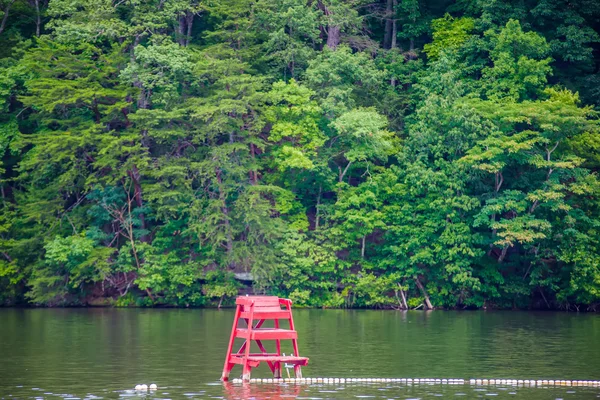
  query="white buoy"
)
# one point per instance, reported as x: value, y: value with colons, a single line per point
x: 143, y: 387
x: 153, y: 386
x: 138, y: 387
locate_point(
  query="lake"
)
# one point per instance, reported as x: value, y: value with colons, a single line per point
x: 104, y: 353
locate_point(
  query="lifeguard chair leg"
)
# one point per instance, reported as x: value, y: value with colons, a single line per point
x: 277, y: 364
x: 297, y: 368
x: 229, y: 365
x: 246, y: 369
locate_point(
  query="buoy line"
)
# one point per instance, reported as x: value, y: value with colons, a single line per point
x: 431, y: 381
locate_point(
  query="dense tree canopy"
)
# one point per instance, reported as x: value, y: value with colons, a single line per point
x: 343, y: 153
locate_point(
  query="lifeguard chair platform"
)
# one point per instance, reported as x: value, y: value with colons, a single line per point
x: 255, y: 311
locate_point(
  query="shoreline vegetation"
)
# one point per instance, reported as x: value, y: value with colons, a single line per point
x: 429, y: 154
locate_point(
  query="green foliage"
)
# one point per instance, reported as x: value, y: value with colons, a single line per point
x: 70, y: 264
x: 220, y: 286
x: 342, y: 153
x: 519, y: 68
x: 448, y: 34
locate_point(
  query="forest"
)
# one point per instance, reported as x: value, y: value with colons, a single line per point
x: 342, y: 153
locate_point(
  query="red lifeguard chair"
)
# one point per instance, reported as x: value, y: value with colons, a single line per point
x: 255, y: 310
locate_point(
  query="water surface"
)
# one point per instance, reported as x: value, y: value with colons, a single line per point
x: 90, y: 353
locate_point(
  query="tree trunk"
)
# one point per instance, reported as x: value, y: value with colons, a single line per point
x: 362, y: 249
x: 184, y: 30
x: 253, y: 174
x: 190, y: 23
x: 181, y: 31
x: 544, y: 297
x: 333, y: 37
x: 503, y: 254
x: 135, y: 176
x: 404, y: 302
x: 5, y: 17
x: 225, y: 211
x: 394, y: 39
x: 317, y: 208
x: 38, y: 20
x: 143, y: 102
x: 343, y: 172
x: 387, y: 36
x: 333, y: 31
x: 424, y: 293
x: 394, y: 26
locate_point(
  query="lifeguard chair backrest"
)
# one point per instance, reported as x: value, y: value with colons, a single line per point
x: 261, y: 303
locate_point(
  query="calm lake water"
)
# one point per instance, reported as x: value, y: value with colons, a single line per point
x: 93, y: 353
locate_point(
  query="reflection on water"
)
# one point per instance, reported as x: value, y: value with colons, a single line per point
x: 318, y: 391
x: 249, y: 391
x: 91, y: 353
x: 395, y: 391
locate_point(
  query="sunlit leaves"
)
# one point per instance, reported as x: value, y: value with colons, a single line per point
x: 448, y: 35
x: 363, y: 130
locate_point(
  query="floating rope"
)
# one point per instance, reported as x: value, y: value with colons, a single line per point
x: 430, y: 381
